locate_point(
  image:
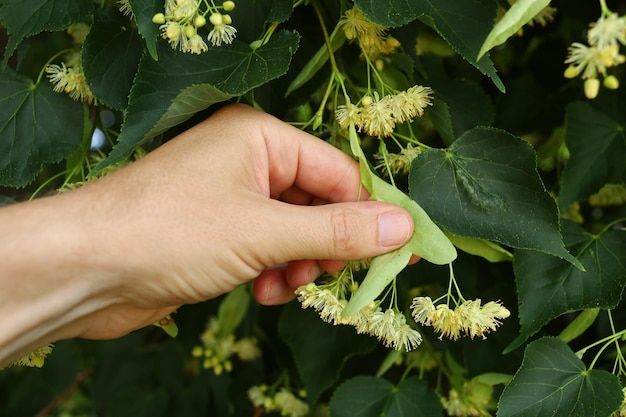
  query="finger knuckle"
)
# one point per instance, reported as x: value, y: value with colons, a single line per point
x: 345, y: 231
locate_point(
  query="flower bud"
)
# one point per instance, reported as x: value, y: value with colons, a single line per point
x: 199, y: 21
x: 226, y: 19
x: 611, y: 82
x: 366, y: 101
x: 228, y: 6
x: 592, y: 87
x: 189, y: 31
x: 571, y: 72
x: 158, y: 18
x: 216, y: 19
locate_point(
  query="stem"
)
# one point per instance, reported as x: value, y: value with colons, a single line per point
x: 605, y: 10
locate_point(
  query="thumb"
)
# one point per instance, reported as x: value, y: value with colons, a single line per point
x: 341, y: 231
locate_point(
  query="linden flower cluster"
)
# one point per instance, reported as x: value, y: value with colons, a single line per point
x: 470, y: 318
x: 36, y: 358
x: 389, y: 326
x: 590, y: 61
x: 69, y: 78
x: 283, y: 401
x: 398, y: 163
x: 216, y: 350
x: 378, y: 116
x: 371, y: 36
x: 182, y: 19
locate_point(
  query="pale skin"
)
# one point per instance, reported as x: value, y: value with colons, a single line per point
x: 240, y: 197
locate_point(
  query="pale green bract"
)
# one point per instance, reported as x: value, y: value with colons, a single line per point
x: 428, y: 241
x: 520, y: 13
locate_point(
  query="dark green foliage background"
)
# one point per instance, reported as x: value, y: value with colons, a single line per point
x: 479, y: 180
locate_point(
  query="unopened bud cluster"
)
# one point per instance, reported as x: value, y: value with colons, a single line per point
x: 183, y: 18
x: 602, y: 52
x: 282, y: 401
x: 217, y: 350
x: 378, y: 116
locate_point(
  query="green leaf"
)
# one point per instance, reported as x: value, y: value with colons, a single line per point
x: 368, y: 396
x: 480, y: 247
x: 337, y: 38
x: 464, y: 24
x: 554, y: 381
x: 548, y: 287
x: 174, y: 88
x: 579, y: 325
x: 144, y: 10
x: 486, y: 186
x: 439, y: 114
x: 37, y: 126
x: 383, y: 269
x: 110, y: 57
x: 597, y: 147
x: 321, y: 351
x: 280, y: 11
x: 232, y: 310
x: 428, y: 241
x: 24, y: 18
x: 520, y: 13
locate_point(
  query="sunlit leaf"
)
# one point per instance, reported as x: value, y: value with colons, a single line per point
x: 554, y: 381
x: 321, y: 351
x: 383, y: 269
x: 110, y: 57
x: 549, y: 287
x: 486, y: 186
x: 579, y: 325
x: 23, y: 18
x: 520, y: 13
x: 464, y: 24
x: 37, y: 126
x: 368, y: 396
x: 194, y: 82
x: 597, y: 146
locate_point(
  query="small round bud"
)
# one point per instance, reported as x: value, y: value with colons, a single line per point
x: 592, y: 87
x: 570, y: 72
x: 199, y: 21
x: 366, y: 101
x: 380, y: 64
x: 611, y: 82
x: 189, y: 31
x: 228, y: 6
x: 216, y: 19
x: 226, y: 19
x: 158, y: 18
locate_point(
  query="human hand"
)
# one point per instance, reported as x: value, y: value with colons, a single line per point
x: 242, y: 196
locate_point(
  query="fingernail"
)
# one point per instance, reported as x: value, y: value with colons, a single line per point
x: 393, y: 229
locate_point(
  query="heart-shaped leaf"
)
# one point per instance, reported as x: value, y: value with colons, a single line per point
x: 554, y: 381
x: 548, y: 287
x: 37, y: 126
x: 368, y: 396
x: 486, y: 186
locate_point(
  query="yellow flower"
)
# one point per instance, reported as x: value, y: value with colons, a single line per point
x: 355, y: 25
x: 71, y: 80
x: 446, y: 321
x: 423, y: 310
x: 289, y: 405
x: 349, y: 113
x: 378, y: 119
x: 196, y: 44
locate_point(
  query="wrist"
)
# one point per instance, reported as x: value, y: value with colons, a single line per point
x: 53, y: 277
